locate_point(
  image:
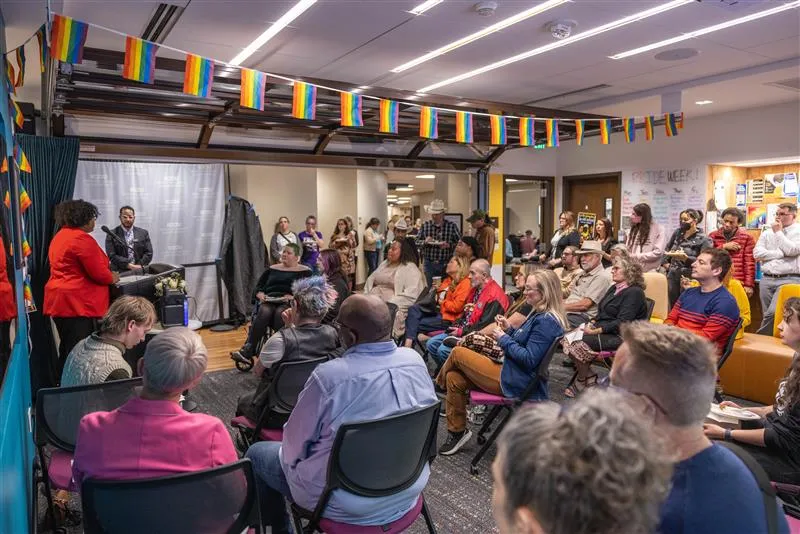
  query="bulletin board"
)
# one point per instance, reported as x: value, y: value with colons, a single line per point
x: 667, y: 191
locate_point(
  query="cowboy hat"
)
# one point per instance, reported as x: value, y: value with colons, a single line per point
x: 590, y: 247
x: 401, y: 225
x: 436, y: 206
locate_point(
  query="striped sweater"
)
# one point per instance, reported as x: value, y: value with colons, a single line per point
x: 713, y: 315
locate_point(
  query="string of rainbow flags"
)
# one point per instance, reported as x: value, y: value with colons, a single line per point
x: 68, y: 37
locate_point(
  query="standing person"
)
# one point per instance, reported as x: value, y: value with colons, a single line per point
x: 484, y: 233
x: 683, y: 248
x: 604, y: 232
x: 76, y: 294
x: 281, y: 237
x: 371, y: 240
x: 566, y: 235
x: 739, y: 244
x: 138, y: 252
x: 8, y: 311
x: 438, y: 238
x: 646, y: 238
x: 356, y: 240
x: 777, y: 249
x: 312, y: 243
x: 528, y: 243
x: 344, y: 243
x: 401, y: 233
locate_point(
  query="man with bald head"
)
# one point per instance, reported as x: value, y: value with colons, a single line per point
x: 373, y: 379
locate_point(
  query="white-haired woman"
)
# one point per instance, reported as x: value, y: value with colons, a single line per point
x: 152, y: 435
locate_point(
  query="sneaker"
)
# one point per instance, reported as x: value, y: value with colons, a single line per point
x: 455, y: 440
x: 239, y: 356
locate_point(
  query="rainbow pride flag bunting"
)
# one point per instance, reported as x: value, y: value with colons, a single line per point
x: 679, y: 122
x: 580, y: 129
x: 26, y: 247
x: 463, y: 127
x: 11, y: 77
x: 429, y: 122
x: 21, y: 160
x: 20, y: 53
x: 40, y: 37
x: 551, y: 126
x: 198, y: 76
x: 4, y: 166
x: 27, y: 292
x: 352, y: 107
x: 67, y: 38
x: 629, y: 124
x: 498, y: 124
x: 16, y: 114
x: 605, y: 131
x: 304, y: 101
x: 648, y: 128
x: 670, y: 125
x: 526, y: 131
x: 140, y: 60
x: 389, y: 111
x: 253, y: 86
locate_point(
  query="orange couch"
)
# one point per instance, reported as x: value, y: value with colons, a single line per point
x: 755, y: 367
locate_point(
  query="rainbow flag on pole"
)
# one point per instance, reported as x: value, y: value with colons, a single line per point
x: 580, y: 129
x: 605, y: 131
x: 304, y: 101
x: 11, y: 77
x: 498, y: 124
x: 67, y: 38
x: 352, y: 107
x: 648, y: 128
x: 551, y: 126
x: 629, y: 123
x: 20, y: 53
x: 679, y: 122
x: 463, y: 127
x: 429, y: 122
x: 526, y: 131
x: 40, y: 37
x: 198, y: 76
x: 21, y: 160
x: 670, y: 125
x: 140, y: 60
x: 16, y: 113
x: 24, y: 199
x: 388, y: 116
x: 253, y: 85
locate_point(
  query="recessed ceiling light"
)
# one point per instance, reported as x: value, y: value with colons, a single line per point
x: 707, y: 30
x: 405, y: 189
x: 505, y: 23
x: 391, y: 196
x: 511, y: 180
x: 404, y: 198
x: 403, y: 201
x: 425, y: 6
x: 298, y: 9
x: 630, y: 19
x: 704, y: 102
x: 426, y: 176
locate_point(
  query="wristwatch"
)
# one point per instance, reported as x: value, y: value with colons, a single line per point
x: 727, y: 436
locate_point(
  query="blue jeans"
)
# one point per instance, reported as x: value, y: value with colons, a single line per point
x: 372, y: 260
x: 437, y: 349
x: 434, y: 269
x: 418, y: 321
x: 272, y: 485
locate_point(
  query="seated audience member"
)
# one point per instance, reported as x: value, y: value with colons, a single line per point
x: 736, y: 290
x: 528, y: 244
x: 400, y: 233
x: 682, y: 249
x: 672, y: 372
x: 708, y: 310
x: 485, y: 301
x: 623, y: 302
x: 330, y: 265
x: 523, y: 351
x: 275, y: 283
x: 774, y: 440
x: 588, y: 288
x: 450, y: 298
x: 468, y: 248
x: 99, y: 357
x: 739, y: 244
x: 398, y: 280
x: 617, y: 251
x: 151, y: 435
x: 303, y: 338
x: 519, y: 309
x: 542, y: 484
x: 570, y: 269
x: 373, y: 379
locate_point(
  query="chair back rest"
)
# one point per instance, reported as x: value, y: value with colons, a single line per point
x: 784, y: 293
x: 543, y: 371
x: 59, y: 410
x: 729, y: 345
x: 222, y: 499
x: 657, y: 290
x: 393, y: 309
x: 289, y: 381
x: 651, y: 304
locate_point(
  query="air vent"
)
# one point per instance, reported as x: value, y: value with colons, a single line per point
x: 568, y: 93
x: 161, y: 22
x: 790, y: 84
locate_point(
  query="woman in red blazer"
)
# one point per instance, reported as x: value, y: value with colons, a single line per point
x: 76, y: 295
x: 8, y: 310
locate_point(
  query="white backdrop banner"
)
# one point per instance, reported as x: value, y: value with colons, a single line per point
x: 668, y: 191
x: 182, y: 206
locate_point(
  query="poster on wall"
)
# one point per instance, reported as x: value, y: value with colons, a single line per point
x: 667, y: 191
x: 741, y: 195
x: 790, y: 188
x: 755, y: 191
x: 756, y: 216
x: 586, y: 222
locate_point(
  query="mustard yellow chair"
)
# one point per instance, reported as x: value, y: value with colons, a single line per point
x: 755, y: 367
x: 657, y: 290
x: 784, y: 293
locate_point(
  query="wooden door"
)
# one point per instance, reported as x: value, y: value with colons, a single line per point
x: 598, y: 194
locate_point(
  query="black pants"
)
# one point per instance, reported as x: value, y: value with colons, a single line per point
x: 70, y: 331
x: 267, y: 315
x: 779, y: 467
x: 575, y: 319
x: 5, y: 347
x: 602, y: 342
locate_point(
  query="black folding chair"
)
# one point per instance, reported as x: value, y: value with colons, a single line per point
x: 58, y: 415
x: 218, y: 500
x: 376, y: 459
x: 506, y: 404
x: 725, y: 354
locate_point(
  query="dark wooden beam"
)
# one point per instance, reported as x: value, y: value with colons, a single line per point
x: 496, y: 153
x: 58, y: 125
x: 323, y: 142
x: 417, y: 150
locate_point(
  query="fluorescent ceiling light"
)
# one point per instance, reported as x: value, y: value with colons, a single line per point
x: 792, y: 160
x: 707, y: 30
x: 426, y: 176
x: 405, y: 198
x: 704, y: 102
x: 391, y: 196
x: 425, y: 6
x: 508, y: 180
x: 287, y: 18
x: 505, y: 23
x: 403, y: 201
x: 404, y: 189
x: 564, y: 42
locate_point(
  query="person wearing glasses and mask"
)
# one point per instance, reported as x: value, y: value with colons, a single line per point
x: 682, y: 250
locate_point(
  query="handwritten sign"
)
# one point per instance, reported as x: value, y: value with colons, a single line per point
x: 667, y: 191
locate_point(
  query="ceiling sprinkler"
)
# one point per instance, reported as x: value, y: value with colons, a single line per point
x: 485, y: 8
x: 561, y: 29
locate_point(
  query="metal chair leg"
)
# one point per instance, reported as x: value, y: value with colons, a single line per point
x: 572, y: 380
x: 473, y: 467
x: 487, y: 423
x: 427, y: 515
x: 48, y: 490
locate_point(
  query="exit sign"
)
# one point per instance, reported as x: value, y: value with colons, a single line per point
x: 540, y: 146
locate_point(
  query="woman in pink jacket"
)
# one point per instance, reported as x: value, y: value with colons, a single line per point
x: 646, y: 238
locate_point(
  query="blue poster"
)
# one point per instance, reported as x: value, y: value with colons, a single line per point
x: 741, y: 195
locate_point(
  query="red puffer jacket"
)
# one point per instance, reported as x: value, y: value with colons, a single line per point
x: 744, y: 266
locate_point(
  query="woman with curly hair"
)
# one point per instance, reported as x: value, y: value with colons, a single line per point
x: 76, y: 296
x: 593, y: 467
x: 774, y: 440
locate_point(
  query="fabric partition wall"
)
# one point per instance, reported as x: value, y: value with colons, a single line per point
x: 180, y: 204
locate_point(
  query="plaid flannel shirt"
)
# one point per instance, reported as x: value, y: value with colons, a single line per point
x: 447, y: 232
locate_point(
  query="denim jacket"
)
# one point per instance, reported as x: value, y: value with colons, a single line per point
x: 525, y: 348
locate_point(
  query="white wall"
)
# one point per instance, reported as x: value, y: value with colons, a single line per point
x: 458, y: 194
x: 336, y: 198
x: 527, y: 161
x: 522, y: 207
x: 371, y: 190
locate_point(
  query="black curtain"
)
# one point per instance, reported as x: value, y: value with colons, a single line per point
x: 54, y: 164
x: 243, y: 254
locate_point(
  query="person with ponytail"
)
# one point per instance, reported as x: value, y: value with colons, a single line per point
x: 646, y: 238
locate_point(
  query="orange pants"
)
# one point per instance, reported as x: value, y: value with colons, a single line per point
x: 464, y: 370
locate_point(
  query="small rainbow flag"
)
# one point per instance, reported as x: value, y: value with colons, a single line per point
x: 352, y: 106
x: 580, y: 129
x: 463, y: 127
x: 669, y: 125
x: 605, y: 131
x: 24, y: 199
x: 26, y: 291
x: 526, y: 131
x: 20, y: 66
x: 551, y: 126
x: 388, y: 116
x: 498, y: 124
x: 253, y: 85
x: 21, y: 160
x: 67, y: 38
x: 11, y: 77
x: 629, y: 124
x: 648, y: 128
x: 26, y: 247
x: 198, y: 76
x: 4, y: 166
x: 680, y: 122
x: 42, y: 46
x: 304, y: 101
x: 429, y: 122
x: 16, y: 114
x: 140, y: 60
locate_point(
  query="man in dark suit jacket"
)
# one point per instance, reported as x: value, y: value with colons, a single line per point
x: 122, y: 258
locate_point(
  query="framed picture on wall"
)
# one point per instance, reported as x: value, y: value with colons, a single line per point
x: 457, y: 219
